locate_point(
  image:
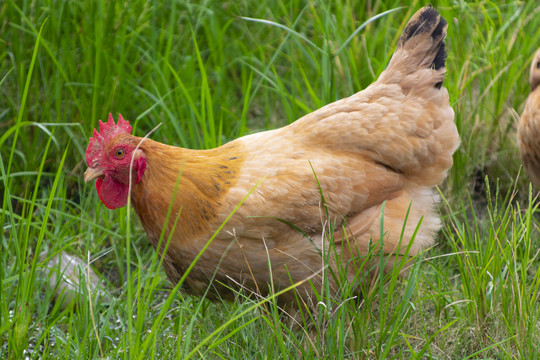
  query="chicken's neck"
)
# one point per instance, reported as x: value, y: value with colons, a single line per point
x: 191, y: 183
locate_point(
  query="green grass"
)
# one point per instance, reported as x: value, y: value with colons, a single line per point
x: 211, y: 71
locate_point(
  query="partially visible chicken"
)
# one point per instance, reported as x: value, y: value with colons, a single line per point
x: 529, y: 125
x: 392, y: 142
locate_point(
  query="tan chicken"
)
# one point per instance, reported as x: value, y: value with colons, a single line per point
x: 529, y: 125
x: 392, y: 142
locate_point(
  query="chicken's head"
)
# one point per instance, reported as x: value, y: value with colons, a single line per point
x: 109, y: 157
x: 534, y: 76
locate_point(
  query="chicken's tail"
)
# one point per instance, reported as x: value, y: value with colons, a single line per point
x: 420, y: 53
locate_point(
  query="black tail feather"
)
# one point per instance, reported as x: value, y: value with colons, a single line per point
x: 428, y: 20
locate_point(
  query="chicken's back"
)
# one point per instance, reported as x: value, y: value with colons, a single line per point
x: 403, y: 120
x: 529, y: 136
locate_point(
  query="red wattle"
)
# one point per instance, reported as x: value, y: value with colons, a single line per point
x: 112, y: 193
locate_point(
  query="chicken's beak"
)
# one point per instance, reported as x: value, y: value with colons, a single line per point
x: 93, y: 173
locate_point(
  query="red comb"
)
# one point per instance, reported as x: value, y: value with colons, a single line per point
x: 106, y: 131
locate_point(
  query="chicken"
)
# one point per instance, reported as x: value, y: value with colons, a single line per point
x: 529, y: 125
x: 391, y: 143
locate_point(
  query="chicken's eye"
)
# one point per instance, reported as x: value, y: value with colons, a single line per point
x: 119, y: 153
x: 538, y: 65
